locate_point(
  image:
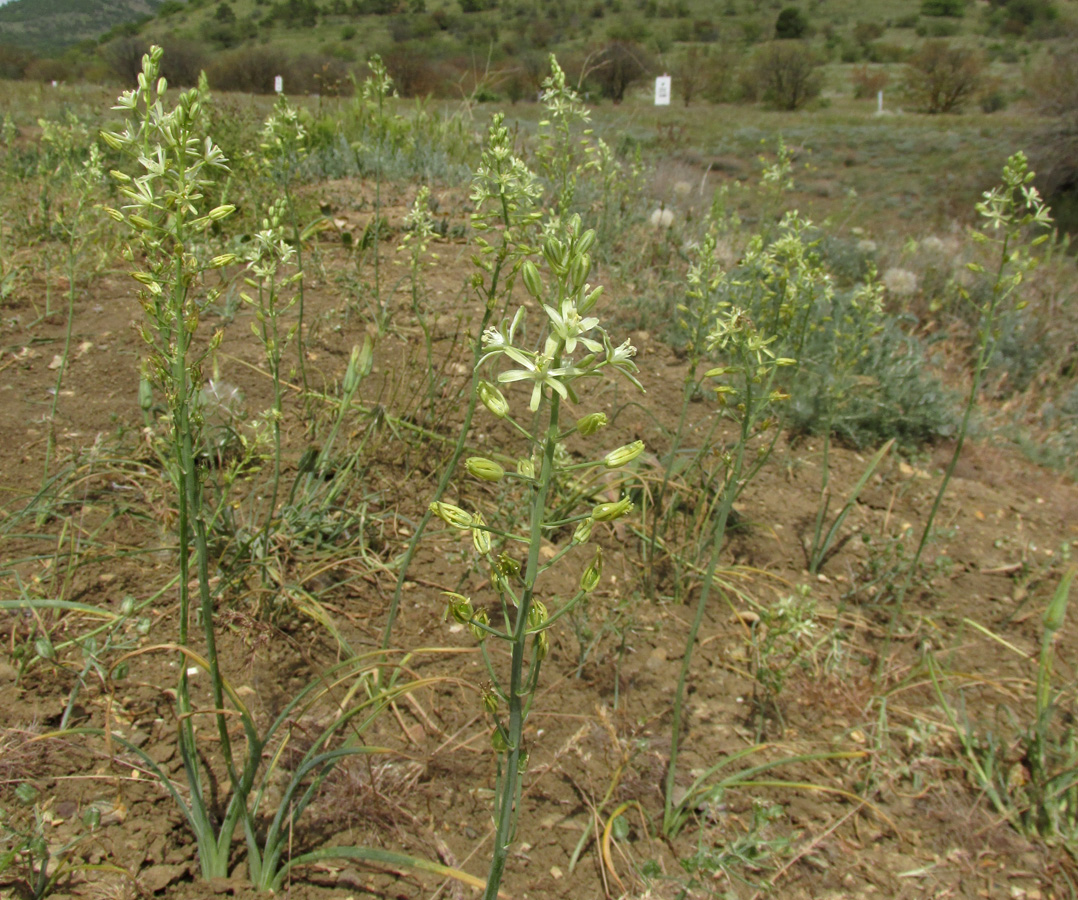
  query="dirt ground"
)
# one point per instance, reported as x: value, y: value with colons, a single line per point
x: 895, y: 816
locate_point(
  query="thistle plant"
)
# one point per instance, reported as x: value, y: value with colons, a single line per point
x: 1009, y: 212
x: 780, y: 638
x: 573, y: 347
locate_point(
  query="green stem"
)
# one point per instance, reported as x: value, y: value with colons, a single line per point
x: 50, y: 442
x: 300, y: 348
x: 518, y: 685
x: 988, y: 321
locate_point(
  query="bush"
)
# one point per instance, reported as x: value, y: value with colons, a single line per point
x: 123, y: 56
x: 251, y: 69
x: 14, y: 61
x: 1054, y: 85
x: 786, y: 75
x: 617, y: 66
x: 867, y: 83
x: 941, y: 78
x: 954, y: 9
x: 183, y: 62
x: 791, y: 24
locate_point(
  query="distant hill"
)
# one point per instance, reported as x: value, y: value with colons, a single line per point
x: 54, y: 24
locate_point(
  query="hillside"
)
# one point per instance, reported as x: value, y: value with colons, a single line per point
x: 53, y: 24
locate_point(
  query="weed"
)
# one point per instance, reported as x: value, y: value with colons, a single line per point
x: 1031, y: 775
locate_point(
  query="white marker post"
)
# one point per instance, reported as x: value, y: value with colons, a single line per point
x: 662, y: 90
x: 879, y: 102
x: 278, y: 84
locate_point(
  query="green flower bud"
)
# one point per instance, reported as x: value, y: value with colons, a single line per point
x: 113, y: 140
x: 484, y: 469
x: 590, y: 299
x: 490, y: 702
x: 537, y: 617
x: 498, y: 742
x: 608, y: 512
x: 460, y: 607
x: 504, y: 570
x: 530, y: 274
x: 1057, y: 608
x: 493, y: 399
x: 526, y: 468
x: 582, y: 533
x: 480, y: 536
x: 451, y: 515
x: 359, y: 366
x: 554, y: 251
x: 592, y: 575
x: 591, y: 423
x: 221, y: 212
x: 139, y: 222
x: 617, y: 458
x: 145, y: 394
x: 481, y: 618
x: 114, y: 214
x: 225, y: 259
x: 578, y: 271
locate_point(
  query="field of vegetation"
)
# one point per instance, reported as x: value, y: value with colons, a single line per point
x: 428, y: 498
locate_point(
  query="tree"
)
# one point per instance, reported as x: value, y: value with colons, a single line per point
x: 791, y: 24
x: 941, y: 78
x: 786, y: 74
x: 617, y: 66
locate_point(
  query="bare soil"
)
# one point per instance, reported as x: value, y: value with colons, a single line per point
x: 898, y: 817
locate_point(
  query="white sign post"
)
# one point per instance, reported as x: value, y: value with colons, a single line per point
x: 879, y: 102
x: 662, y: 90
x: 278, y: 84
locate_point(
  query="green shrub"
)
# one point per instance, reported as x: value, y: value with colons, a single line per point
x: 791, y: 24
x: 617, y: 66
x: 951, y: 8
x: 940, y: 78
x: 786, y: 75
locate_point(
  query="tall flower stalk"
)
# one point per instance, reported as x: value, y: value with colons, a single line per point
x: 1009, y: 212
x: 283, y: 145
x: 747, y: 393
x: 505, y: 194
x: 574, y: 347
x: 165, y: 210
